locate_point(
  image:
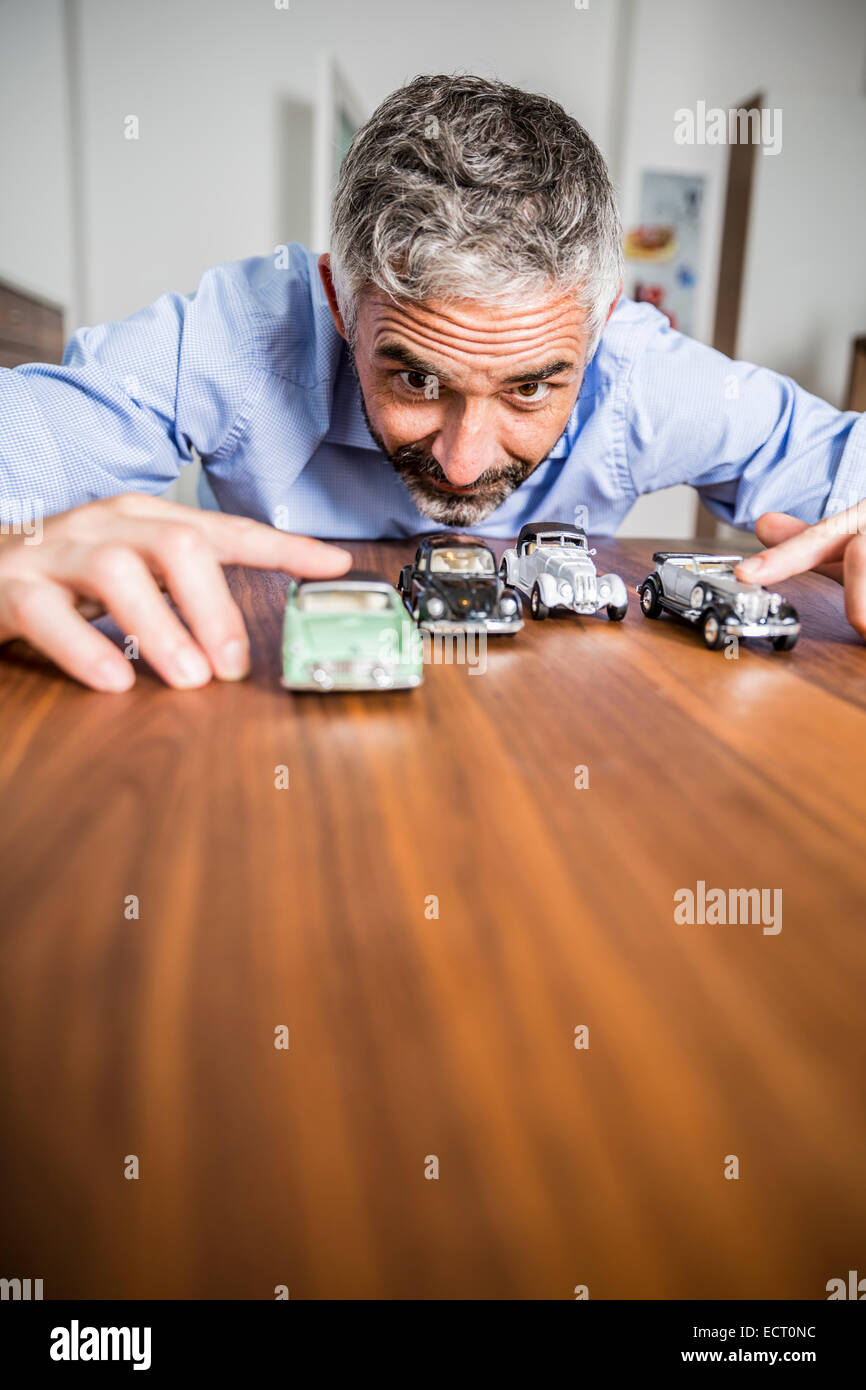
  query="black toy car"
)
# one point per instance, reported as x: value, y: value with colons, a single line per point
x: 453, y: 584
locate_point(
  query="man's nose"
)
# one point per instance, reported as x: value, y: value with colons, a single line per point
x: 465, y: 446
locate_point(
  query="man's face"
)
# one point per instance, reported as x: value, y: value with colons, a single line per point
x: 466, y: 399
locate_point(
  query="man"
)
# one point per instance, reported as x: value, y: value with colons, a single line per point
x: 464, y: 357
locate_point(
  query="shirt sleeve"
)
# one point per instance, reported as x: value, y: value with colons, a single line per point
x: 749, y: 439
x: 130, y: 401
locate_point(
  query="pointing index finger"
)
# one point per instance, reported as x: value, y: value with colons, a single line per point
x: 816, y: 545
x: 239, y: 540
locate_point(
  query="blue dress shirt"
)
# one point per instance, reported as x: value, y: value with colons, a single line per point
x: 250, y: 373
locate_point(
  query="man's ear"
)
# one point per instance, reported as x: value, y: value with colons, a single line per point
x: 328, y: 284
x: 614, y: 304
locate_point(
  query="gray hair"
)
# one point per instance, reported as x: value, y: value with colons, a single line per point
x: 463, y: 188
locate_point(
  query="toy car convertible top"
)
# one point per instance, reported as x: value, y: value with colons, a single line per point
x: 704, y: 590
x: 552, y: 564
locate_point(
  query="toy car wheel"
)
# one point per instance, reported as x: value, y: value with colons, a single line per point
x: 650, y: 599
x: 537, y: 607
x: 617, y: 611
x: 713, y: 629
x: 786, y: 641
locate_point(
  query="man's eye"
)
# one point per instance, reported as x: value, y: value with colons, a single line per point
x: 418, y: 381
x: 533, y: 391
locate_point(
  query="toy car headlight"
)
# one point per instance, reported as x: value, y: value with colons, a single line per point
x: 435, y: 607
x: 604, y: 589
x: 566, y: 591
x: 508, y: 604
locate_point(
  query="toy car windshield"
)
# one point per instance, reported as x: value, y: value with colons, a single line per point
x: 546, y: 539
x: 343, y: 601
x: 696, y: 566
x: 469, y: 559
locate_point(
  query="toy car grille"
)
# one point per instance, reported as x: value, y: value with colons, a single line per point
x: 755, y: 606
x: 351, y: 668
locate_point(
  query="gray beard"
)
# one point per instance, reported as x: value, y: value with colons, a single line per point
x: 419, y: 470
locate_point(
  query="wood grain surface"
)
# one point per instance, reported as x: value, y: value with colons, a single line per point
x: 412, y: 1035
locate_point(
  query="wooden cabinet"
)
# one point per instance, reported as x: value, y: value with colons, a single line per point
x: 31, y: 329
x: 857, y: 380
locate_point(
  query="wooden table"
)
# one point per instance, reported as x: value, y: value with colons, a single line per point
x: 414, y: 1035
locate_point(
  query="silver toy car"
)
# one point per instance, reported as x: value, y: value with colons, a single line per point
x: 704, y: 590
x: 552, y: 564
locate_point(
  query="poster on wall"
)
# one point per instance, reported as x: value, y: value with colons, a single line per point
x: 663, y: 252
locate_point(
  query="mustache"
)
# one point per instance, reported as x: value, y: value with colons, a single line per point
x: 410, y: 459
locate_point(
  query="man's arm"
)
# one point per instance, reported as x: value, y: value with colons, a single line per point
x: 115, y: 423
x: 129, y: 400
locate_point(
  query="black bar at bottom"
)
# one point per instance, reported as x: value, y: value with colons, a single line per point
x: 167, y: 1339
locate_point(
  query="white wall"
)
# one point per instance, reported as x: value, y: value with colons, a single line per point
x: 36, y: 242
x: 206, y: 79
x: 804, y: 295
x: 805, y: 283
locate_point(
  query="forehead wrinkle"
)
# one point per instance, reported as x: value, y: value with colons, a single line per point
x: 537, y: 345
x: 449, y: 323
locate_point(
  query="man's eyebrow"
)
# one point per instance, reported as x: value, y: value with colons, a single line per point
x: 539, y: 373
x: 396, y: 352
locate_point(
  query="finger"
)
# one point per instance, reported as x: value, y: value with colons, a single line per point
x: 835, y: 569
x: 774, y: 527
x: 855, y: 584
x: 44, y: 614
x: 815, y: 545
x: 118, y: 576
x: 238, y: 540
x: 194, y: 578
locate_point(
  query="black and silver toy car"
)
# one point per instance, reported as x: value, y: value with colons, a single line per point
x: 704, y: 590
x: 453, y: 585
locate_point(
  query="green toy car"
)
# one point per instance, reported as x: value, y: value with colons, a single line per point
x: 349, y: 634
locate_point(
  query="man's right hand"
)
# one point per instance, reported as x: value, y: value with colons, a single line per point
x: 114, y: 557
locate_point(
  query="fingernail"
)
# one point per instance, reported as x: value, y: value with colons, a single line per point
x: 191, y: 667
x: 112, y: 676
x: 752, y: 566
x: 234, y: 661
